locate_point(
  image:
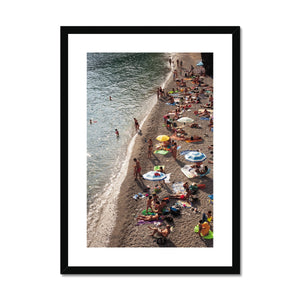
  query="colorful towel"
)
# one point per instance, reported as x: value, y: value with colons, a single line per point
x: 183, y: 204
x: 163, y: 152
x: 157, y: 168
x: 147, y: 213
x: 194, y: 141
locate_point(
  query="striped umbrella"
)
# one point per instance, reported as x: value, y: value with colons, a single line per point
x: 154, y: 176
x: 195, y: 156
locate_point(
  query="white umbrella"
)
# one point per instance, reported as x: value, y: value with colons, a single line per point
x: 195, y: 156
x: 154, y: 176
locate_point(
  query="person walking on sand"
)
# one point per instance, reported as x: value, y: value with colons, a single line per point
x: 136, y: 124
x: 117, y: 132
x: 137, y: 169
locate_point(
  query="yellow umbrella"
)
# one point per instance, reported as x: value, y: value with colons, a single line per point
x: 162, y: 138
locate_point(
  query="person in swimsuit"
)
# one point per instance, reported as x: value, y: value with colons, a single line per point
x: 148, y: 218
x: 150, y: 148
x: 149, y: 203
x: 137, y: 169
x: 162, y: 232
x: 136, y: 123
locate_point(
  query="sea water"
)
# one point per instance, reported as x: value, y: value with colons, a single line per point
x: 131, y: 80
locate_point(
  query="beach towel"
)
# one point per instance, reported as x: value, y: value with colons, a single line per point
x: 163, y: 152
x: 147, y: 213
x: 189, y: 172
x: 209, y: 236
x: 167, y: 180
x: 156, y: 168
x: 138, y: 196
x: 178, y: 147
x: 194, y: 141
x: 141, y: 222
x: 203, y: 118
x: 183, y: 204
x: 178, y: 187
x: 171, y: 103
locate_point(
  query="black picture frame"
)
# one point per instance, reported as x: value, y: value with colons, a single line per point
x: 65, y: 268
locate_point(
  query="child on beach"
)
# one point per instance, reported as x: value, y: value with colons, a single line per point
x: 137, y: 169
x: 149, y: 203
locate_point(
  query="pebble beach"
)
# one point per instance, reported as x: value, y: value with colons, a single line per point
x: 127, y: 231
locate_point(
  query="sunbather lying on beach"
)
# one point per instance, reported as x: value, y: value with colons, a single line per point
x: 195, y: 138
x: 148, y: 218
x: 204, y: 228
x: 162, y: 232
x: 205, y: 113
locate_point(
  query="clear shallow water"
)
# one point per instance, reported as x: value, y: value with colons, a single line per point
x: 131, y: 79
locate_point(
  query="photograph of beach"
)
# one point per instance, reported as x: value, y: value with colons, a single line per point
x: 150, y: 126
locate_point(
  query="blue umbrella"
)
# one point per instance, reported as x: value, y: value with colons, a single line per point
x: 195, y: 156
x: 154, y: 176
x: 200, y: 63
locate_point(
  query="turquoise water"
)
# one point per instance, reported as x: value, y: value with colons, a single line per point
x: 131, y: 79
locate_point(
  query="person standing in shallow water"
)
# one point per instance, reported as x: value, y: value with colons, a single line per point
x: 110, y: 98
x: 117, y: 132
x: 136, y: 123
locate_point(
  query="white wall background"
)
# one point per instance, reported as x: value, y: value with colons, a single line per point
x: 30, y: 148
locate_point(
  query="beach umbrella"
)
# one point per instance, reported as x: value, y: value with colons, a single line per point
x: 162, y: 138
x: 195, y: 156
x: 200, y: 63
x: 185, y: 120
x: 154, y: 176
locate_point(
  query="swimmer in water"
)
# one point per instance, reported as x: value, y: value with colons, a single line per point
x: 117, y: 132
x: 110, y: 98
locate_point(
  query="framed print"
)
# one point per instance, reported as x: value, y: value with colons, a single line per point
x: 150, y: 150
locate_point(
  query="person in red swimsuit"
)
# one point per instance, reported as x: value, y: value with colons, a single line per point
x: 137, y: 169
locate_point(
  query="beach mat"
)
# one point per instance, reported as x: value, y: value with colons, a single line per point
x: 156, y: 168
x: 194, y: 141
x: 178, y: 187
x: 189, y: 172
x: 163, y: 152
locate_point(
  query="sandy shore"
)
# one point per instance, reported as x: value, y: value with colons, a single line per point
x: 126, y: 232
